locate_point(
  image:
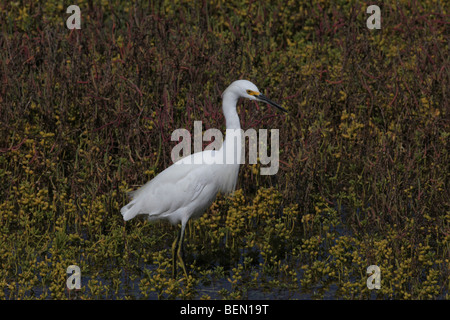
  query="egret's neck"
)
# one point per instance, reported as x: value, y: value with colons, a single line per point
x: 231, y: 147
x: 229, y: 110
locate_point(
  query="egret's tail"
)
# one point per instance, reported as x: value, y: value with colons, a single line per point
x: 129, y: 211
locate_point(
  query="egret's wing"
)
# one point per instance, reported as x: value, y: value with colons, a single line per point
x: 172, y: 175
x: 174, y: 188
x: 196, y: 190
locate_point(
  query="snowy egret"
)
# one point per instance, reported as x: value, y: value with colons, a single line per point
x: 186, y: 189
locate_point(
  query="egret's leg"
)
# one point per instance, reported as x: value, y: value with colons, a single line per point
x: 180, y: 249
x: 174, y: 254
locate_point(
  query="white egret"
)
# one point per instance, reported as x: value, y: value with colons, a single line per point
x: 186, y: 189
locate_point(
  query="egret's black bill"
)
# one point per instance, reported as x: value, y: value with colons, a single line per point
x: 262, y: 97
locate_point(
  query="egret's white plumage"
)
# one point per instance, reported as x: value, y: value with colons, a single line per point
x: 185, y: 189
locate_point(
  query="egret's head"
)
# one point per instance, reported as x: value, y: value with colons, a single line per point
x: 246, y: 89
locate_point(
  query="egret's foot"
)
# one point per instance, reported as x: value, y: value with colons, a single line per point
x: 177, y: 252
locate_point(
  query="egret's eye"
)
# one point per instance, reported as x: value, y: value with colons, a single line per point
x: 252, y: 93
